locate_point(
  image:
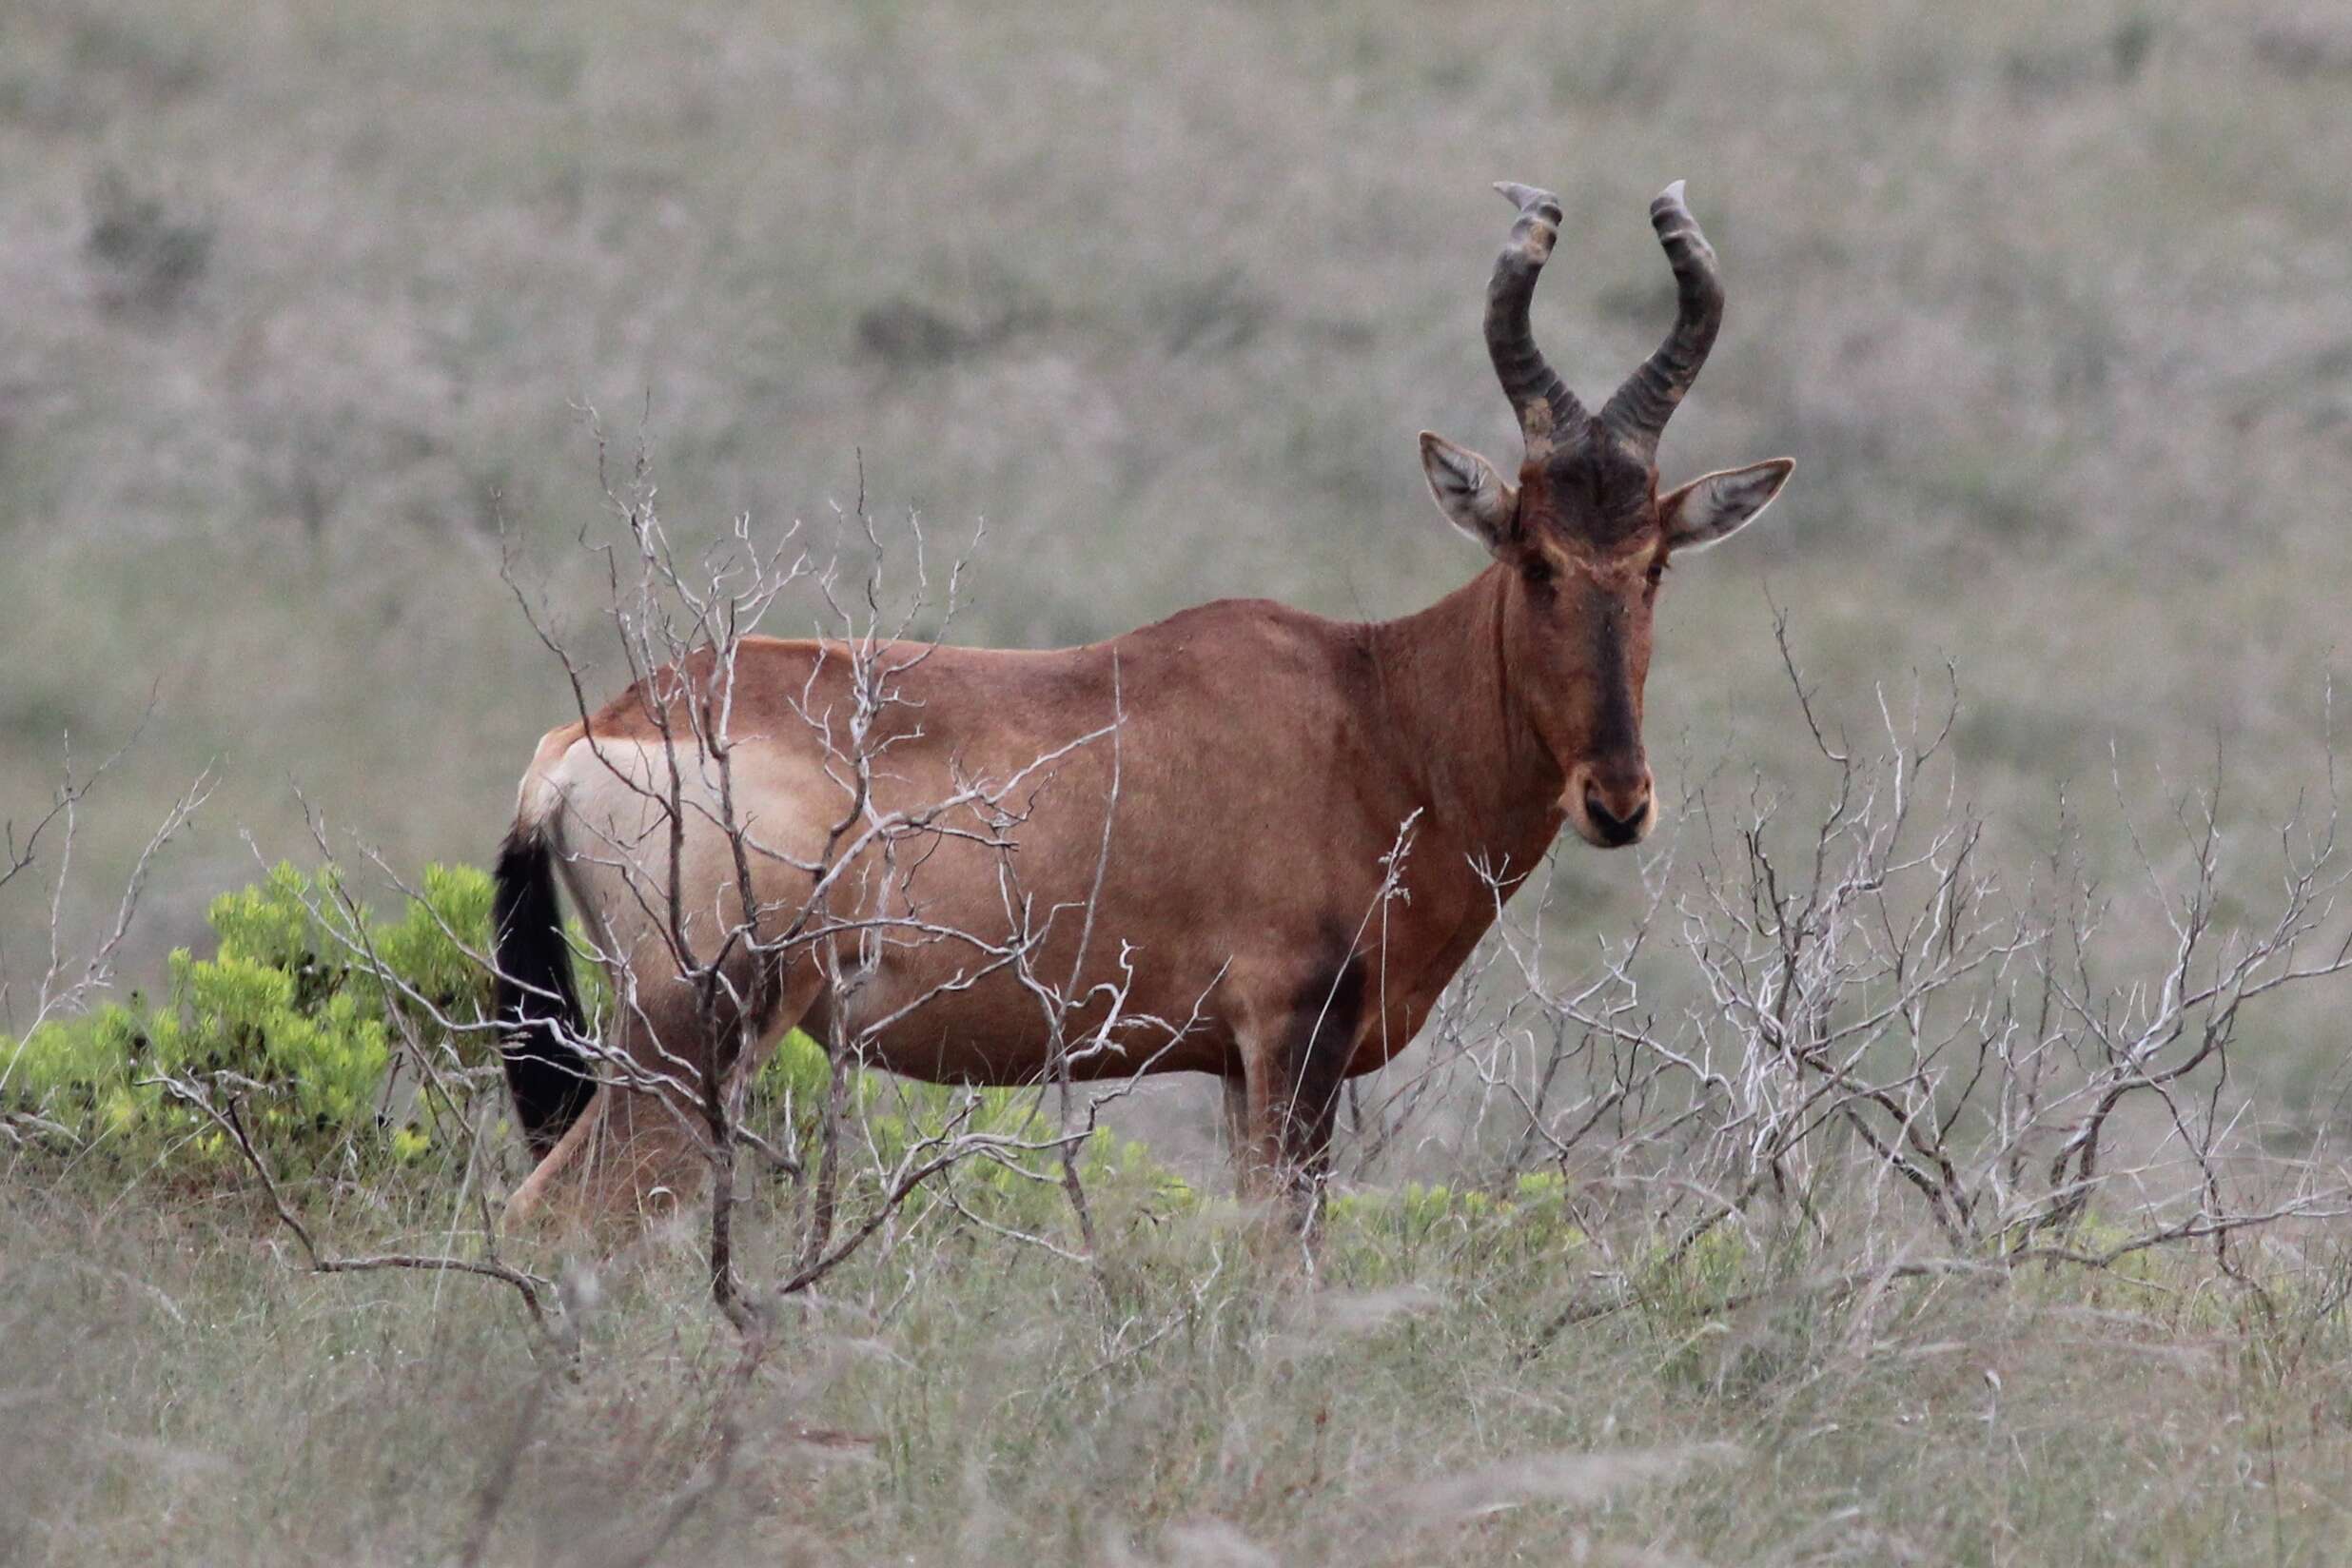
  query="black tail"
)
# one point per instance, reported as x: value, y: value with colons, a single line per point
x: 538, y: 1013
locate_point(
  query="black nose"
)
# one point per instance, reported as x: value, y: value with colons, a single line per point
x: 1615, y: 829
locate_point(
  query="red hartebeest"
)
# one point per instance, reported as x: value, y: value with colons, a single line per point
x: 1228, y: 843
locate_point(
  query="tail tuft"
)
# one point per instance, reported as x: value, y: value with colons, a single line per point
x: 539, y: 1011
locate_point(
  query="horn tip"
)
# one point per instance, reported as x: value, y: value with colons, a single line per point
x: 1670, y: 196
x: 1526, y: 198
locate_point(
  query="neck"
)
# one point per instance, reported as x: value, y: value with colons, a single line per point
x: 1473, y: 759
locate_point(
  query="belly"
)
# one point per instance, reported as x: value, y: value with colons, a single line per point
x: 974, y: 1024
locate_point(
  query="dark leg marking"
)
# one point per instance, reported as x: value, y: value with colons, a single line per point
x: 1327, y: 1013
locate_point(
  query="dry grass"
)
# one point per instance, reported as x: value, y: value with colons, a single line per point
x: 175, y: 1394
x: 1719, y: 1328
x: 2054, y: 310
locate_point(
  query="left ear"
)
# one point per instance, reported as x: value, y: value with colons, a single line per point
x: 1473, y: 496
x: 1715, y: 506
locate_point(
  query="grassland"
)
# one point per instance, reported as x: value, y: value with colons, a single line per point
x: 303, y: 301
x: 178, y: 1395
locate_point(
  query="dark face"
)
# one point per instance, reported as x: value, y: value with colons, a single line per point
x: 1586, y: 547
x: 1586, y: 587
x: 1585, y: 535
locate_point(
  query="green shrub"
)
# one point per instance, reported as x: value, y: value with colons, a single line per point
x: 301, y: 1024
x: 890, y: 1116
x: 285, y: 1016
x: 1385, y: 1235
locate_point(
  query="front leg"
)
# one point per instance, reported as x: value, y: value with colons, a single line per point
x: 1283, y: 1114
x: 1246, y: 1141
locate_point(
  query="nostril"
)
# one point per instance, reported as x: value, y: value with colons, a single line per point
x: 1606, y: 820
x: 1618, y: 821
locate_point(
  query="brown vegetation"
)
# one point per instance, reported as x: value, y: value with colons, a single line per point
x: 1923, y: 1148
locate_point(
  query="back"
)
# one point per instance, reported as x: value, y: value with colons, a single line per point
x: 1178, y: 803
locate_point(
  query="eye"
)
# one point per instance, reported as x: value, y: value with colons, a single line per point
x: 1658, y: 572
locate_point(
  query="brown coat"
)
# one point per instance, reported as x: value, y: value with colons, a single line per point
x: 1224, y: 848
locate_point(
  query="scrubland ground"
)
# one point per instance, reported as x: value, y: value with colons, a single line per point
x: 1935, y: 1259
x: 176, y: 1394
x: 2052, y: 307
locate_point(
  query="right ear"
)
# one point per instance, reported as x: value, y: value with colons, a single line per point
x: 1470, y: 493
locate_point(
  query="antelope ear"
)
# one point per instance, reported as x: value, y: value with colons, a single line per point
x: 1715, y: 506
x: 1470, y: 493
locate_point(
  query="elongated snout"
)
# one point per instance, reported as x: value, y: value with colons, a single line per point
x: 1611, y: 805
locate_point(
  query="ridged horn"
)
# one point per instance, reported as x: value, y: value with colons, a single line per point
x: 1548, y: 412
x: 1639, y: 410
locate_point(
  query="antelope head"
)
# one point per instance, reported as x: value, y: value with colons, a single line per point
x: 1584, y: 533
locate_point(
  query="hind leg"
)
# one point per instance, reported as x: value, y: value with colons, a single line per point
x: 633, y: 1152
x: 642, y: 1148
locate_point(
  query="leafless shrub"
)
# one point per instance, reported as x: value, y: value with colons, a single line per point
x: 679, y: 622
x: 2299, y: 44
x: 148, y: 255
x: 226, y: 1111
x: 1861, y: 1023
x: 69, y: 974
x: 680, y: 626
x: 907, y: 335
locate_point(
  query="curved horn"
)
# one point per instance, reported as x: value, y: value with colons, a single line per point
x: 1641, y: 407
x: 1543, y: 403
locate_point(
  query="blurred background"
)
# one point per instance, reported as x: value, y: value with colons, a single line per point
x: 300, y: 300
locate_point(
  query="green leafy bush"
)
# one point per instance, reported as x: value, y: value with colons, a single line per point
x: 301, y: 1012
x: 1388, y: 1233
x: 288, y: 1016
x: 889, y: 1117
